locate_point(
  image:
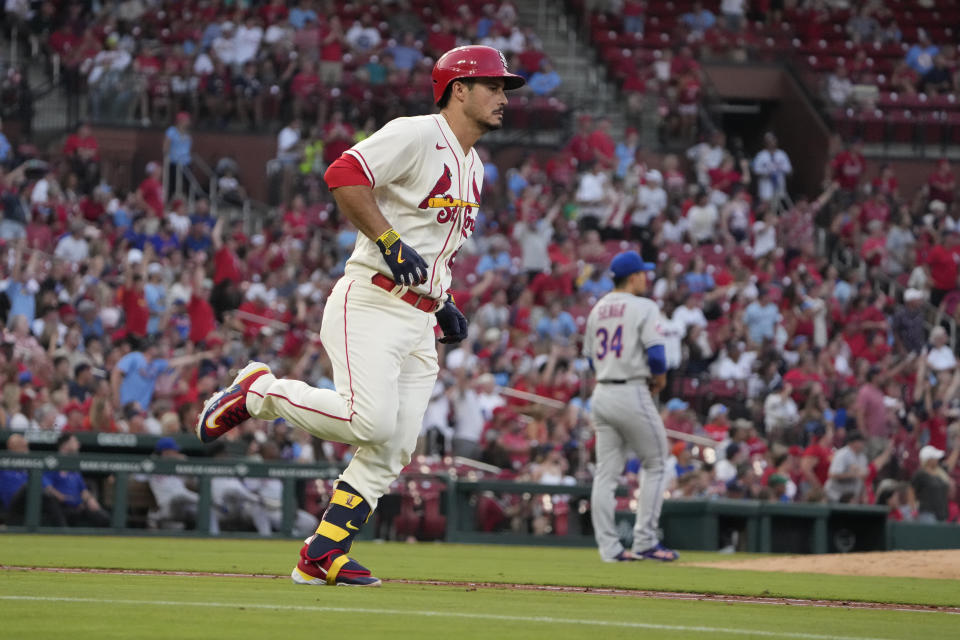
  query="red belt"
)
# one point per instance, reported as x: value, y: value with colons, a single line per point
x: 420, y: 301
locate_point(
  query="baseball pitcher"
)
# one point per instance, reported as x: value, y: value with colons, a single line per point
x: 626, y: 350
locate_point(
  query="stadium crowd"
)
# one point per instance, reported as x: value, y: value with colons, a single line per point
x: 260, y: 64
x: 123, y: 311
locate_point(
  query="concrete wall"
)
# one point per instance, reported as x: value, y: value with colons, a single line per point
x: 126, y: 152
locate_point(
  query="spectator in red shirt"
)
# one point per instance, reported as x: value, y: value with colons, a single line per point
x: 877, y: 208
x: 677, y: 416
x: 848, y: 167
x: 579, y: 145
x: 295, y: 223
x: 227, y: 265
x: 802, y: 377
x: 83, y: 153
x: 724, y: 177
x: 871, y: 413
x: 942, y: 183
x: 442, y: 38
x: 815, y: 463
x: 604, y: 148
x: 874, y: 247
x: 718, y: 426
x: 942, y: 261
x: 337, y: 137
x: 136, y: 312
x: 331, y: 52
x: 305, y: 89
x: 274, y: 11
x: 202, y: 319
x: 150, y: 191
x: 886, y: 183
x: 547, y: 286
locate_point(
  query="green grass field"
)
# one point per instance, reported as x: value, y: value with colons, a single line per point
x: 37, y: 604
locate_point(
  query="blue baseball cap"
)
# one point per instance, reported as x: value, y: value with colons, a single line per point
x: 166, y: 444
x: 676, y: 404
x: 628, y: 262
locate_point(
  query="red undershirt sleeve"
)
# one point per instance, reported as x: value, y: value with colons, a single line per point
x: 345, y: 171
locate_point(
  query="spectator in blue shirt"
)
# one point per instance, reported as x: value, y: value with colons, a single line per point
x: 921, y: 55
x: 156, y: 295
x: 6, y: 151
x: 761, y: 317
x: 558, y: 326
x: 699, y: 282
x: 201, y: 214
x: 210, y: 33
x: 487, y: 21
x: 13, y: 482
x: 22, y: 289
x: 405, y: 55
x: 177, y: 149
x: 598, y: 284
x: 626, y: 151
x: 698, y: 20
x: 13, y: 491
x: 301, y: 14
x: 78, y: 505
x: 491, y: 172
x: 89, y: 321
x: 134, y: 378
x: 198, y: 239
x: 545, y: 81
x: 495, y: 259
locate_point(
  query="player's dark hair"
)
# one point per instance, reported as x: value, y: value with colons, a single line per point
x: 445, y: 98
x: 618, y: 282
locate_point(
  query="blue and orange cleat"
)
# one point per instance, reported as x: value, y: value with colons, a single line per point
x: 332, y: 568
x: 658, y: 552
x: 228, y: 407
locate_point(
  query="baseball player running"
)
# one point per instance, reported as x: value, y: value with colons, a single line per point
x: 627, y: 352
x: 412, y: 189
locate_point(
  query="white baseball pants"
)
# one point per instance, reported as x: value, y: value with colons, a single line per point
x: 626, y: 419
x: 384, y: 359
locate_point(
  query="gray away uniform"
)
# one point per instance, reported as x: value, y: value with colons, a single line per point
x: 620, y: 328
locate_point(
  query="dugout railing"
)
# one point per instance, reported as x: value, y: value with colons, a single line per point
x: 561, y: 510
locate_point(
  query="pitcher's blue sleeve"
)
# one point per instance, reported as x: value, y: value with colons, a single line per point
x: 657, y: 359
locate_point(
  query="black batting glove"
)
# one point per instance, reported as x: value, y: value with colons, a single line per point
x: 452, y: 323
x: 407, y: 266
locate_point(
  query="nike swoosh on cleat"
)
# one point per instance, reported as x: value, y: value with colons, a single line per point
x: 440, y: 148
x: 212, y: 418
x: 351, y: 527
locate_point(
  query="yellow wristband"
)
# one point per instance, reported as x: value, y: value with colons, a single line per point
x: 387, y: 239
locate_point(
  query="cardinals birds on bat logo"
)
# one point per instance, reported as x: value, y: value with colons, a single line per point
x: 440, y: 190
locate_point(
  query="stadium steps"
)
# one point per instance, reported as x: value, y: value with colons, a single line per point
x: 585, y: 87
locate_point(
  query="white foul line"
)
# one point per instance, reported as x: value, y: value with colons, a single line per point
x: 448, y: 614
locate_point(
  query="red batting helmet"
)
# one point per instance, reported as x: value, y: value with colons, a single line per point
x: 473, y: 61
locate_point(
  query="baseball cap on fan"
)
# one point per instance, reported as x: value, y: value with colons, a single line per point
x: 629, y: 262
x: 930, y: 452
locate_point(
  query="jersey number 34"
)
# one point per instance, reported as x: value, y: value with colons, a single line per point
x: 615, y: 342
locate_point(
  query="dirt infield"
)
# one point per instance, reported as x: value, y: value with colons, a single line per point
x: 472, y: 586
x: 905, y: 564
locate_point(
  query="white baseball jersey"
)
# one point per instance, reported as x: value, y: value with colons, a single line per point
x: 620, y: 328
x: 426, y: 188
